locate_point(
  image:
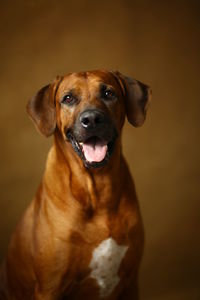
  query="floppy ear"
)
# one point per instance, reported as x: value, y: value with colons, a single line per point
x: 41, y: 108
x: 137, y: 99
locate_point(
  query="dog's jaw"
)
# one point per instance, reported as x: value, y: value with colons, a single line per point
x: 96, y: 158
x: 94, y: 149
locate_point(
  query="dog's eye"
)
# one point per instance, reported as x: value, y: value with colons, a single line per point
x: 69, y: 98
x: 107, y: 93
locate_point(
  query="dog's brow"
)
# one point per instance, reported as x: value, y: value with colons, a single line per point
x: 71, y: 91
x: 104, y: 85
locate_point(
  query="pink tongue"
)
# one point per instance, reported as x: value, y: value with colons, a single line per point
x: 94, y: 151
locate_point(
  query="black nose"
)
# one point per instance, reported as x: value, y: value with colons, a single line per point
x: 92, y: 118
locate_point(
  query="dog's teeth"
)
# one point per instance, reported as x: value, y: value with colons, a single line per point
x: 81, y: 144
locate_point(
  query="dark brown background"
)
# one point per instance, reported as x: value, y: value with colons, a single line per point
x: 153, y: 41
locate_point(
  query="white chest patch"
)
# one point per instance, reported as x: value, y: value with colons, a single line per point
x: 105, y: 263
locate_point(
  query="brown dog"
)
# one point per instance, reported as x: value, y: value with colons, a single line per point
x: 82, y: 235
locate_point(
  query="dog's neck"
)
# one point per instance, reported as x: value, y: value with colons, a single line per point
x: 86, y: 185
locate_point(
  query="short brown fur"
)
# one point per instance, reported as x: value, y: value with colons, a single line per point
x: 76, y: 208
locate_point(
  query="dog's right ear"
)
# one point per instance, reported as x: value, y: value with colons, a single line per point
x: 41, y: 108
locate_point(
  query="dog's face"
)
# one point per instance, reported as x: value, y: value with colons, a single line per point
x: 90, y: 114
x: 89, y: 110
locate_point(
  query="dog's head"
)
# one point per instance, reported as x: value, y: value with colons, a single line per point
x: 89, y: 110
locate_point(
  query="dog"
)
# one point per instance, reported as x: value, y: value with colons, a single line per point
x: 82, y: 235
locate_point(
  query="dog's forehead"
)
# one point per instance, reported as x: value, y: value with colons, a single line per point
x: 87, y: 80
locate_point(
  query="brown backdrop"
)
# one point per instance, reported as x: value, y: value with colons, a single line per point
x: 153, y: 41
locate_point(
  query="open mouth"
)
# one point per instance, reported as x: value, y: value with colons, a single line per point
x: 94, y: 151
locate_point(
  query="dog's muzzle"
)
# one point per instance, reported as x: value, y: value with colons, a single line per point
x: 93, y: 137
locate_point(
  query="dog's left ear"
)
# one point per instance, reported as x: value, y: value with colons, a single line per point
x: 137, y: 98
x: 41, y: 108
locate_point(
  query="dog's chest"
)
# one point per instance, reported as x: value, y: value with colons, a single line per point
x: 105, y: 264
